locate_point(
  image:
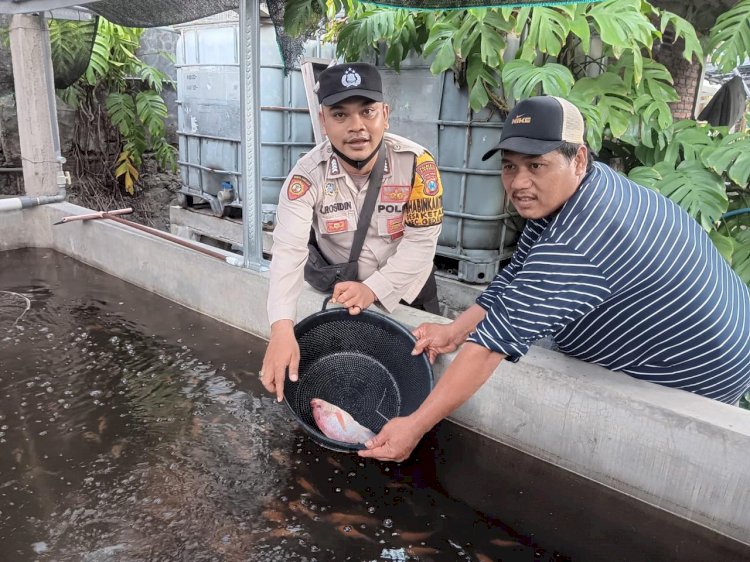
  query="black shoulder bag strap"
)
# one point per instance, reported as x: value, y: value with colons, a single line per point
x: 365, y: 214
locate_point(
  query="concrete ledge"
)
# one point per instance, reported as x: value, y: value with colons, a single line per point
x: 198, y: 225
x: 683, y: 453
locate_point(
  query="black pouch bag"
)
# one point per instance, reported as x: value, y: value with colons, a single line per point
x: 323, y: 275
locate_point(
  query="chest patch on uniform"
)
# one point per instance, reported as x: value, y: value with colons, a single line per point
x: 425, y: 205
x: 330, y: 188
x: 395, y: 225
x: 394, y: 193
x: 297, y: 187
x: 336, y: 225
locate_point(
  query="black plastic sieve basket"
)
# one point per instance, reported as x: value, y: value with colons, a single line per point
x: 360, y: 363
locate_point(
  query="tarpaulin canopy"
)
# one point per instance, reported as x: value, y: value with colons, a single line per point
x: 148, y: 13
x: 131, y: 13
x: 465, y: 4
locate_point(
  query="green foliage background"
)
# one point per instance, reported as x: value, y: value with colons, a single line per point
x: 622, y: 91
x: 127, y: 89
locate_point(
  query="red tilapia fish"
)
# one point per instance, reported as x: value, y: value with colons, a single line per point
x: 338, y: 424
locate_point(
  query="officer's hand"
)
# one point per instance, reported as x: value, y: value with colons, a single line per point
x: 282, y: 352
x: 353, y: 295
x: 435, y: 339
x: 395, y: 442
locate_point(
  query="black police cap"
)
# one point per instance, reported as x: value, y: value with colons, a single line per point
x: 342, y: 81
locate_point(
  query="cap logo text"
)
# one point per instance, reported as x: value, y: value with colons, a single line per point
x: 351, y: 79
x: 521, y: 120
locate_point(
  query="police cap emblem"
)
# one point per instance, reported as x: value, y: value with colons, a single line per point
x: 351, y: 79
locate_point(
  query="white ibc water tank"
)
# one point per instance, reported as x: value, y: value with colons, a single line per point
x: 480, y: 227
x: 209, y: 112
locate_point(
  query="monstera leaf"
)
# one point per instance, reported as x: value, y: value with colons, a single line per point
x: 580, y: 27
x: 122, y: 112
x: 301, y: 15
x: 548, y: 31
x: 440, y: 42
x: 646, y: 176
x: 609, y: 93
x: 697, y: 190
x: 100, y: 58
x: 741, y: 256
x: 684, y: 29
x: 521, y: 79
x: 480, y: 80
x: 594, y: 122
x: 688, y: 142
x: 152, y: 111
x: 725, y: 244
x: 730, y: 156
x: 729, y: 42
x: 622, y: 25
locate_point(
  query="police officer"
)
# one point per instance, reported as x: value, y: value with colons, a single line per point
x: 326, y: 190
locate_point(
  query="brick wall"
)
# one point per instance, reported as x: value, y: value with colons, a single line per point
x: 686, y: 77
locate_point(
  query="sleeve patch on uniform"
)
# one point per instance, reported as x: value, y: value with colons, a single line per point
x: 337, y: 225
x: 427, y: 171
x: 394, y: 193
x: 298, y: 186
x: 425, y: 205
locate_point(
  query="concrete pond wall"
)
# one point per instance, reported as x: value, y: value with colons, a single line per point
x: 683, y: 453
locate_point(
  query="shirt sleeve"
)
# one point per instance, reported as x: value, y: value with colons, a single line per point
x: 555, y: 286
x: 423, y: 218
x: 290, y: 237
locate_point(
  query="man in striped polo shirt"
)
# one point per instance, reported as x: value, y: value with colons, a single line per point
x: 617, y: 274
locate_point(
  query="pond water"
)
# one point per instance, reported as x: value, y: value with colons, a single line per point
x: 133, y: 429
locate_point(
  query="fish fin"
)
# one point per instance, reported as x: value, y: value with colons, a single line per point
x: 342, y: 421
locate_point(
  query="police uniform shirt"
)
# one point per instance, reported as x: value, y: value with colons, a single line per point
x: 399, y: 248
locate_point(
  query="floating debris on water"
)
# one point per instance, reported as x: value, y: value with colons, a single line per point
x: 398, y: 554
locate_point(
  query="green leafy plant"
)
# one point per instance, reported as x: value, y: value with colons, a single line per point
x: 696, y: 189
x: 729, y: 41
x: 502, y: 55
x: 745, y: 401
x: 706, y: 170
x: 128, y: 89
x: 374, y: 28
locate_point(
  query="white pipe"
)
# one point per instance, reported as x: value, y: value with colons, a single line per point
x: 15, y: 203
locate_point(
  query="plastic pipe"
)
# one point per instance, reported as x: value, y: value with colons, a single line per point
x: 15, y: 203
x: 97, y: 215
x: 735, y: 213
